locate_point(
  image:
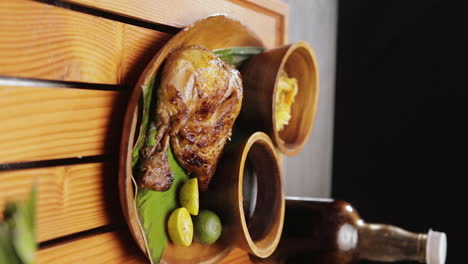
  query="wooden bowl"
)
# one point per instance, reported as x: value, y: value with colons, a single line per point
x: 260, y: 233
x: 213, y: 32
x: 260, y: 77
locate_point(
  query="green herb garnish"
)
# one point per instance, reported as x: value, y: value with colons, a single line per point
x: 237, y: 55
x: 18, y: 231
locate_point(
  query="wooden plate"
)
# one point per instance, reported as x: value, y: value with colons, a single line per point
x: 214, y: 32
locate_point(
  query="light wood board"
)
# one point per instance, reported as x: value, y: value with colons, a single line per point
x: 70, y: 198
x: 48, y: 42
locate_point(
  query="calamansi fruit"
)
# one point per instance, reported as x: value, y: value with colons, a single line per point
x: 180, y: 227
x: 207, y: 227
x: 188, y: 196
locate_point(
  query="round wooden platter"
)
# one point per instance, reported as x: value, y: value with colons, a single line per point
x: 214, y: 32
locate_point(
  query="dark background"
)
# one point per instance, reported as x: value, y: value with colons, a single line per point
x: 401, y: 124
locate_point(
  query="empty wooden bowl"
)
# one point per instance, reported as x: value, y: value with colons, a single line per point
x: 260, y: 77
x: 259, y: 232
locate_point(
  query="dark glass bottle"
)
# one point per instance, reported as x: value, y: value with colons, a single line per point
x: 332, y: 232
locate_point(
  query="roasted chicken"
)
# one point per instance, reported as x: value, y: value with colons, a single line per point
x: 199, y: 98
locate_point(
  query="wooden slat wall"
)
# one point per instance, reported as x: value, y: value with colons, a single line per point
x: 48, y: 42
x: 49, y: 123
x: 111, y: 247
x: 39, y: 123
x: 183, y: 12
x: 70, y: 198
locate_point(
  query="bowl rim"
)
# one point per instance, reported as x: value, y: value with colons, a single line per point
x: 266, y: 142
x: 294, y: 148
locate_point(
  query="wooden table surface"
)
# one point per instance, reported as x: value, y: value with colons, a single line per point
x: 66, y: 71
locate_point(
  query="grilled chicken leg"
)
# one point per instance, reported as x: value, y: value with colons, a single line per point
x: 199, y: 99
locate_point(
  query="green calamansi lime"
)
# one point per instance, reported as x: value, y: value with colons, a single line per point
x: 207, y: 227
x: 180, y: 227
x: 188, y: 196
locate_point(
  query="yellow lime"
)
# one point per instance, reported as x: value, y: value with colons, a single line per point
x: 207, y: 227
x: 180, y: 227
x: 188, y: 196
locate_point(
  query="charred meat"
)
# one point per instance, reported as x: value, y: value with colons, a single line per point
x: 199, y: 98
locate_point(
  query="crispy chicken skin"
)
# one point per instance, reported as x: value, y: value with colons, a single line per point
x: 199, y: 99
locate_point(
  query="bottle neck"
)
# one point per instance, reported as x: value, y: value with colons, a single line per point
x: 388, y: 243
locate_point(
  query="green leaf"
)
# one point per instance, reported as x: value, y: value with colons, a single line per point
x: 155, y: 207
x: 151, y: 141
x: 30, y: 211
x: 17, y: 232
x: 23, y: 236
x: 147, y: 94
x: 7, y: 251
x: 10, y: 209
x: 237, y: 55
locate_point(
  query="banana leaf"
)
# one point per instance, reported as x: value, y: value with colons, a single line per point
x: 147, y: 94
x: 153, y: 207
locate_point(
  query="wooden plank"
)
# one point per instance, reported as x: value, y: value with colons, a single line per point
x: 140, y: 45
x: 43, y: 41
x: 266, y: 18
x: 70, y: 198
x: 237, y: 256
x: 49, y: 123
x: 112, y: 247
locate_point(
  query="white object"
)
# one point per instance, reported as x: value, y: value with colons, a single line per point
x: 436, y: 247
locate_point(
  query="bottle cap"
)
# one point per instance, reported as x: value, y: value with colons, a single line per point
x: 436, y: 248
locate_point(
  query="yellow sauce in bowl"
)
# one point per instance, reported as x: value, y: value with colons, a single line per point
x: 286, y: 91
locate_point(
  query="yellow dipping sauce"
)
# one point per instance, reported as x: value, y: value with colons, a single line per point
x: 285, y: 93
